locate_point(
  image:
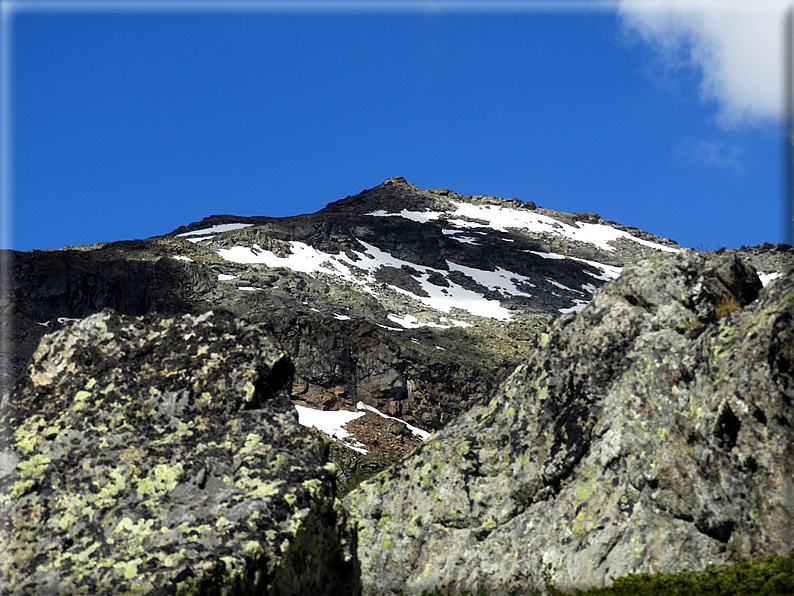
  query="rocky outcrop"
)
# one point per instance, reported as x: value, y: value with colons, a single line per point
x: 651, y: 432
x: 157, y: 455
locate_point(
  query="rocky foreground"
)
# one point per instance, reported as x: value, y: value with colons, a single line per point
x: 163, y: 456
x: 651, y: 432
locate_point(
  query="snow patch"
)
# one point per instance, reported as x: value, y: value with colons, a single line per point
x: 501, y: 280
x: 420, y: 216
x: 331, y: 423
x: 182, y: 258
x: 502, y: 218
x: 608, y: 272
x: 306, y: 259
x: 467, y: 225
x: 303, y: 258
x: 466, y: 240
x: 214, y: 230
x: 557, y: 284
x: 411, y: 322
x: 578, y: 306
x: 456, y: 323
x: 547, y: 255
x: 226, y: 277
x: 768, y: 277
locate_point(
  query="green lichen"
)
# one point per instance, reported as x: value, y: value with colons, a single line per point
x: 73, y: 507
x: 161, y: 479
x: 545, y: 338
x: 28, y: 435
x: 254, y: 487
x: 20, y: 488
x: 249, y: 390
x: 128, y: 569
x: 134, y: 530
x: 34, y: 466
x: 489, y: 524
x: 252, y: 442
x: 253, y: 549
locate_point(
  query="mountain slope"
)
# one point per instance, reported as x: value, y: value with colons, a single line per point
x: 416, y: 302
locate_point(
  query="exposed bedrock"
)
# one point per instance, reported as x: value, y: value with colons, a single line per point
x: 163, y: 455
x: 650, y: 432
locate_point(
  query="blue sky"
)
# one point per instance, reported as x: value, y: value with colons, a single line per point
x: 129, y: 124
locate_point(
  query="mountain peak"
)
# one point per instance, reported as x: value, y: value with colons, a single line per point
x: 397, y: 180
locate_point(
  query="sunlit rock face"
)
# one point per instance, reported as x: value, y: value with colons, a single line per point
x: 651, y: 432
x: 163, y: 455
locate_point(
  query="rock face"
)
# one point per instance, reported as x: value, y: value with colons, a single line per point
x: 417, y: 302
x: 157, y: 455
x: 650, y: 432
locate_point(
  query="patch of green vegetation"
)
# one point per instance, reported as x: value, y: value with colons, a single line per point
x: 771, y: 576
x: 439, y: 592
x: 767, y: 577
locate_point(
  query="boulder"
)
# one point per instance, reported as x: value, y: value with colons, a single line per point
x: 651, y: 432
x: 163, y: 455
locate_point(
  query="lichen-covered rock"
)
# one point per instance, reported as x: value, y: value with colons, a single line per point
x: 651, y: 432
x: 155, y: 455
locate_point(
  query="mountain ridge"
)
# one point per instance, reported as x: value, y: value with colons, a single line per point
x: 351, y: 288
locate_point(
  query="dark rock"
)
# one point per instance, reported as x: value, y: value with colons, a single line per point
x: 156, y: 455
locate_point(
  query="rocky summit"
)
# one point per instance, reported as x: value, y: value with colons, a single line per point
x: 535, y: 397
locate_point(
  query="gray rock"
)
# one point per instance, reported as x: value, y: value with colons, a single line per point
x: 156, y: 455
x: 649, y: 433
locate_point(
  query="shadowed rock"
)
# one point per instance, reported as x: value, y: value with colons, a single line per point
x: 156, y: 455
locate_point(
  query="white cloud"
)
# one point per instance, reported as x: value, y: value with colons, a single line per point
x: 712, y: 153
x: 735, y: 45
